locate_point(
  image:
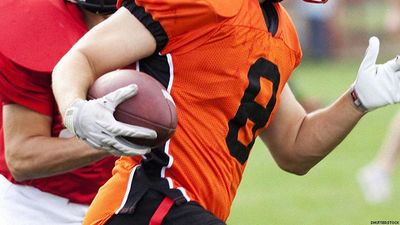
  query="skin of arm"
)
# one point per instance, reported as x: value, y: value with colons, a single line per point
x: 298, y: 141
x: 115, y: 43
x: 31, y: 152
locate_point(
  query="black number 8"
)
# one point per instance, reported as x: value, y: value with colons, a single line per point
x: 251, y: 113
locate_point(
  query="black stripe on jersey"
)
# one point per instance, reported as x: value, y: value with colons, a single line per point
x: 149, y: 174
x: 156, y: 66
x: 141, y: 184
x: 271, y: 16
x: 145, y: 18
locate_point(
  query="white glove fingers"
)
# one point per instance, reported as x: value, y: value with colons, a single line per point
x: 92, y: 143
x: 105, y: 146
x: 394, y: 64
x: 127, y: 130
x: 371, y: 55
x: 106, y: 143
x: 119, y: 146
x: 111, y: 150
x: 129, y: 148
x: 122, y: 94
x: 137, y: 131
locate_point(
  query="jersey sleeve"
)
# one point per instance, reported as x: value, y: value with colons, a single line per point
x: 169, y: 19
x: 27, y: 88
x: 288, y: 32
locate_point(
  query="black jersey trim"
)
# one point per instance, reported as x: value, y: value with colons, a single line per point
x: 146, y: 19
x: 271, y: 17
x: 150, y: 174
x: 156, y: 66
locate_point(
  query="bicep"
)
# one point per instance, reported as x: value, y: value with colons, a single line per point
x: 282, y: 132
x: 118, y: 41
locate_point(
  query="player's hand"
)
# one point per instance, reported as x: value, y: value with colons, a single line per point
x: 376, y: 85
x: 93, y: 122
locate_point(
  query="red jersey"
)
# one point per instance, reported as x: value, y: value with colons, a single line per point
x: 39, y: 33
x: 225, y: 68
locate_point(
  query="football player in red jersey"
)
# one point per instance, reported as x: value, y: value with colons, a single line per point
x: 44, y: 179
x: 226, y: 64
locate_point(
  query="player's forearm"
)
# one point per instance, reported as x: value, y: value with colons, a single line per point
x: 323, y: 130
x: 42, y: 156
x: 72, y: 77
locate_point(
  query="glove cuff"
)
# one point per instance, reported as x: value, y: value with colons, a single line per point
x: 357, y: 102
x: 70, y: 115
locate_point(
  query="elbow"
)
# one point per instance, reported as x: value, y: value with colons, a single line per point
x: 16, y: 167
x: 296, y: 170
x: 17, y: 172
x: 293, y: 166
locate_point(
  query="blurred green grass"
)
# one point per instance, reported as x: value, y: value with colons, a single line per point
x: 329, y: 194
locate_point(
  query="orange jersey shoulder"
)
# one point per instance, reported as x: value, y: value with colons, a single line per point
x: 287, y: 32
x: 180, y: 16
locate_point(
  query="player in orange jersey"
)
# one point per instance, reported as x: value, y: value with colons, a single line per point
x: 226, y: 64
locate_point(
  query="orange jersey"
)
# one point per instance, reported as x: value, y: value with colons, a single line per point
x: 225, y: 72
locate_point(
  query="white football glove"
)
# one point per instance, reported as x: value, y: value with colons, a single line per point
x: 93, y: 122
x: 376, y: 85
x: 65, y: 133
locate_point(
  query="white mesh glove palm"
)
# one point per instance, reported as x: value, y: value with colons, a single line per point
x: 376, y: 85
x: 93, y: 122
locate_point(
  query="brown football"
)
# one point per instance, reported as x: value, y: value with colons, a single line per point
x: 152, y: 106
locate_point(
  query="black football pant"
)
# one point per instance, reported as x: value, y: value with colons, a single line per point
x: 184, y: 214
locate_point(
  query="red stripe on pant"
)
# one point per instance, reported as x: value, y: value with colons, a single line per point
x: 161, y: 211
